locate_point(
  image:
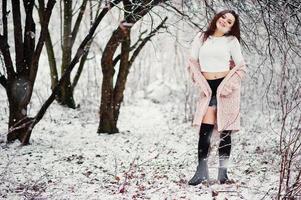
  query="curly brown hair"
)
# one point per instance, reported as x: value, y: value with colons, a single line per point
x: 235, y: 29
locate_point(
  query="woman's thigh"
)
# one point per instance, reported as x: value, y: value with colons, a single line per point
x: 210, y: 115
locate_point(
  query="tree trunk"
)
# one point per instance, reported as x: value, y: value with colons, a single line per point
x: 16, y: 114
x: 107, y: 124
x: 19, y: 95
x: 51, y: 60
x: 122, y: 74
x: 66, y: 91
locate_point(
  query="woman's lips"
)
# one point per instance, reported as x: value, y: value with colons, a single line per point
x: 222, y: 24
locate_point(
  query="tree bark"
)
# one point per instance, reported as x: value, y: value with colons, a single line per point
x: 51, y: 60
x: 106, y: 112
x: 19, y: 92
x: 122, y: 75
x: 66, y: 91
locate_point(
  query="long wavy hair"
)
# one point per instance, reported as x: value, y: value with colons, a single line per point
x: 235, y: 29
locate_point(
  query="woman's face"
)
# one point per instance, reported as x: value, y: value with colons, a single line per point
x: 225, y: 22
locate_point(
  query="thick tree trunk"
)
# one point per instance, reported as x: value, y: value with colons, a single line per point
x: 16, y: 114
x: 66, y: 91
x: 18, y: 97
x: 107, y: 124
x: 122, y: 74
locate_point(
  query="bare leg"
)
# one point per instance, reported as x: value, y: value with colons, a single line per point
x: 210, y: 116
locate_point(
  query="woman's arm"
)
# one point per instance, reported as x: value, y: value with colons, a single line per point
x: 240, y: 69
x: 193, y: 65
x: 195, y: 46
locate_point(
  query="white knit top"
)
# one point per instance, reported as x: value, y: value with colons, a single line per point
x: 214, y: 54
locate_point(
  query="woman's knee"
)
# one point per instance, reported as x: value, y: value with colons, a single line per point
x: 210, y: 115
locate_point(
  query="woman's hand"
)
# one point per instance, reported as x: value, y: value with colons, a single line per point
x: 232, y: 84
x: 234, y: 81
x: 226, y: 91
x: 231, y: 63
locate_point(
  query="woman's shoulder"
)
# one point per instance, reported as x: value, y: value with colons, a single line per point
x: 198, y: 38
x: 200, y: 34
x: 232, y: 38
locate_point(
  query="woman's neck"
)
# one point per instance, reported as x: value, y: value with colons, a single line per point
x: 218, y: 33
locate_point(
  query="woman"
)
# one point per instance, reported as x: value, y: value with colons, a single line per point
x: 219, y: 83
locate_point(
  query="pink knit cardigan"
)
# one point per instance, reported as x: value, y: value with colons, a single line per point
x: 227, y: 94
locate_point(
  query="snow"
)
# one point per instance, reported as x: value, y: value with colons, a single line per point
x: 152, y: 157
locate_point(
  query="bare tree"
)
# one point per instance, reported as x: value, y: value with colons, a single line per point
x: 69, y: 35
x: 281, y: 24
x: 290, y: 135
x: 112, y: 96
x: 20, y: 76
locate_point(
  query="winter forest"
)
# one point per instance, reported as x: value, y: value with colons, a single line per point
x: 96, y: 101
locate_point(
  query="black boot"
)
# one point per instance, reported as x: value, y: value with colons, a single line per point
x: 201, y: 173
x: 224, y: 154
x: 222, y: 172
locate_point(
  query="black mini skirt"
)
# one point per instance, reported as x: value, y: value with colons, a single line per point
x: 213, y: 85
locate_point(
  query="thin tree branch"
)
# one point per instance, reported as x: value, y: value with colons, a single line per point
x: 78, y: 21
x: 4, y: 18
x: 150, y: 35
x: 183, y: 15
x: 50, y: 52
x: 29, y: 35
x: 133, y: 47
x: 18, y: 35
x: 4, y: 48
x: 44, y: 26
x: 81, y: 65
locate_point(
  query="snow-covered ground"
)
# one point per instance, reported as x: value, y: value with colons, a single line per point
x: 152, y: 157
